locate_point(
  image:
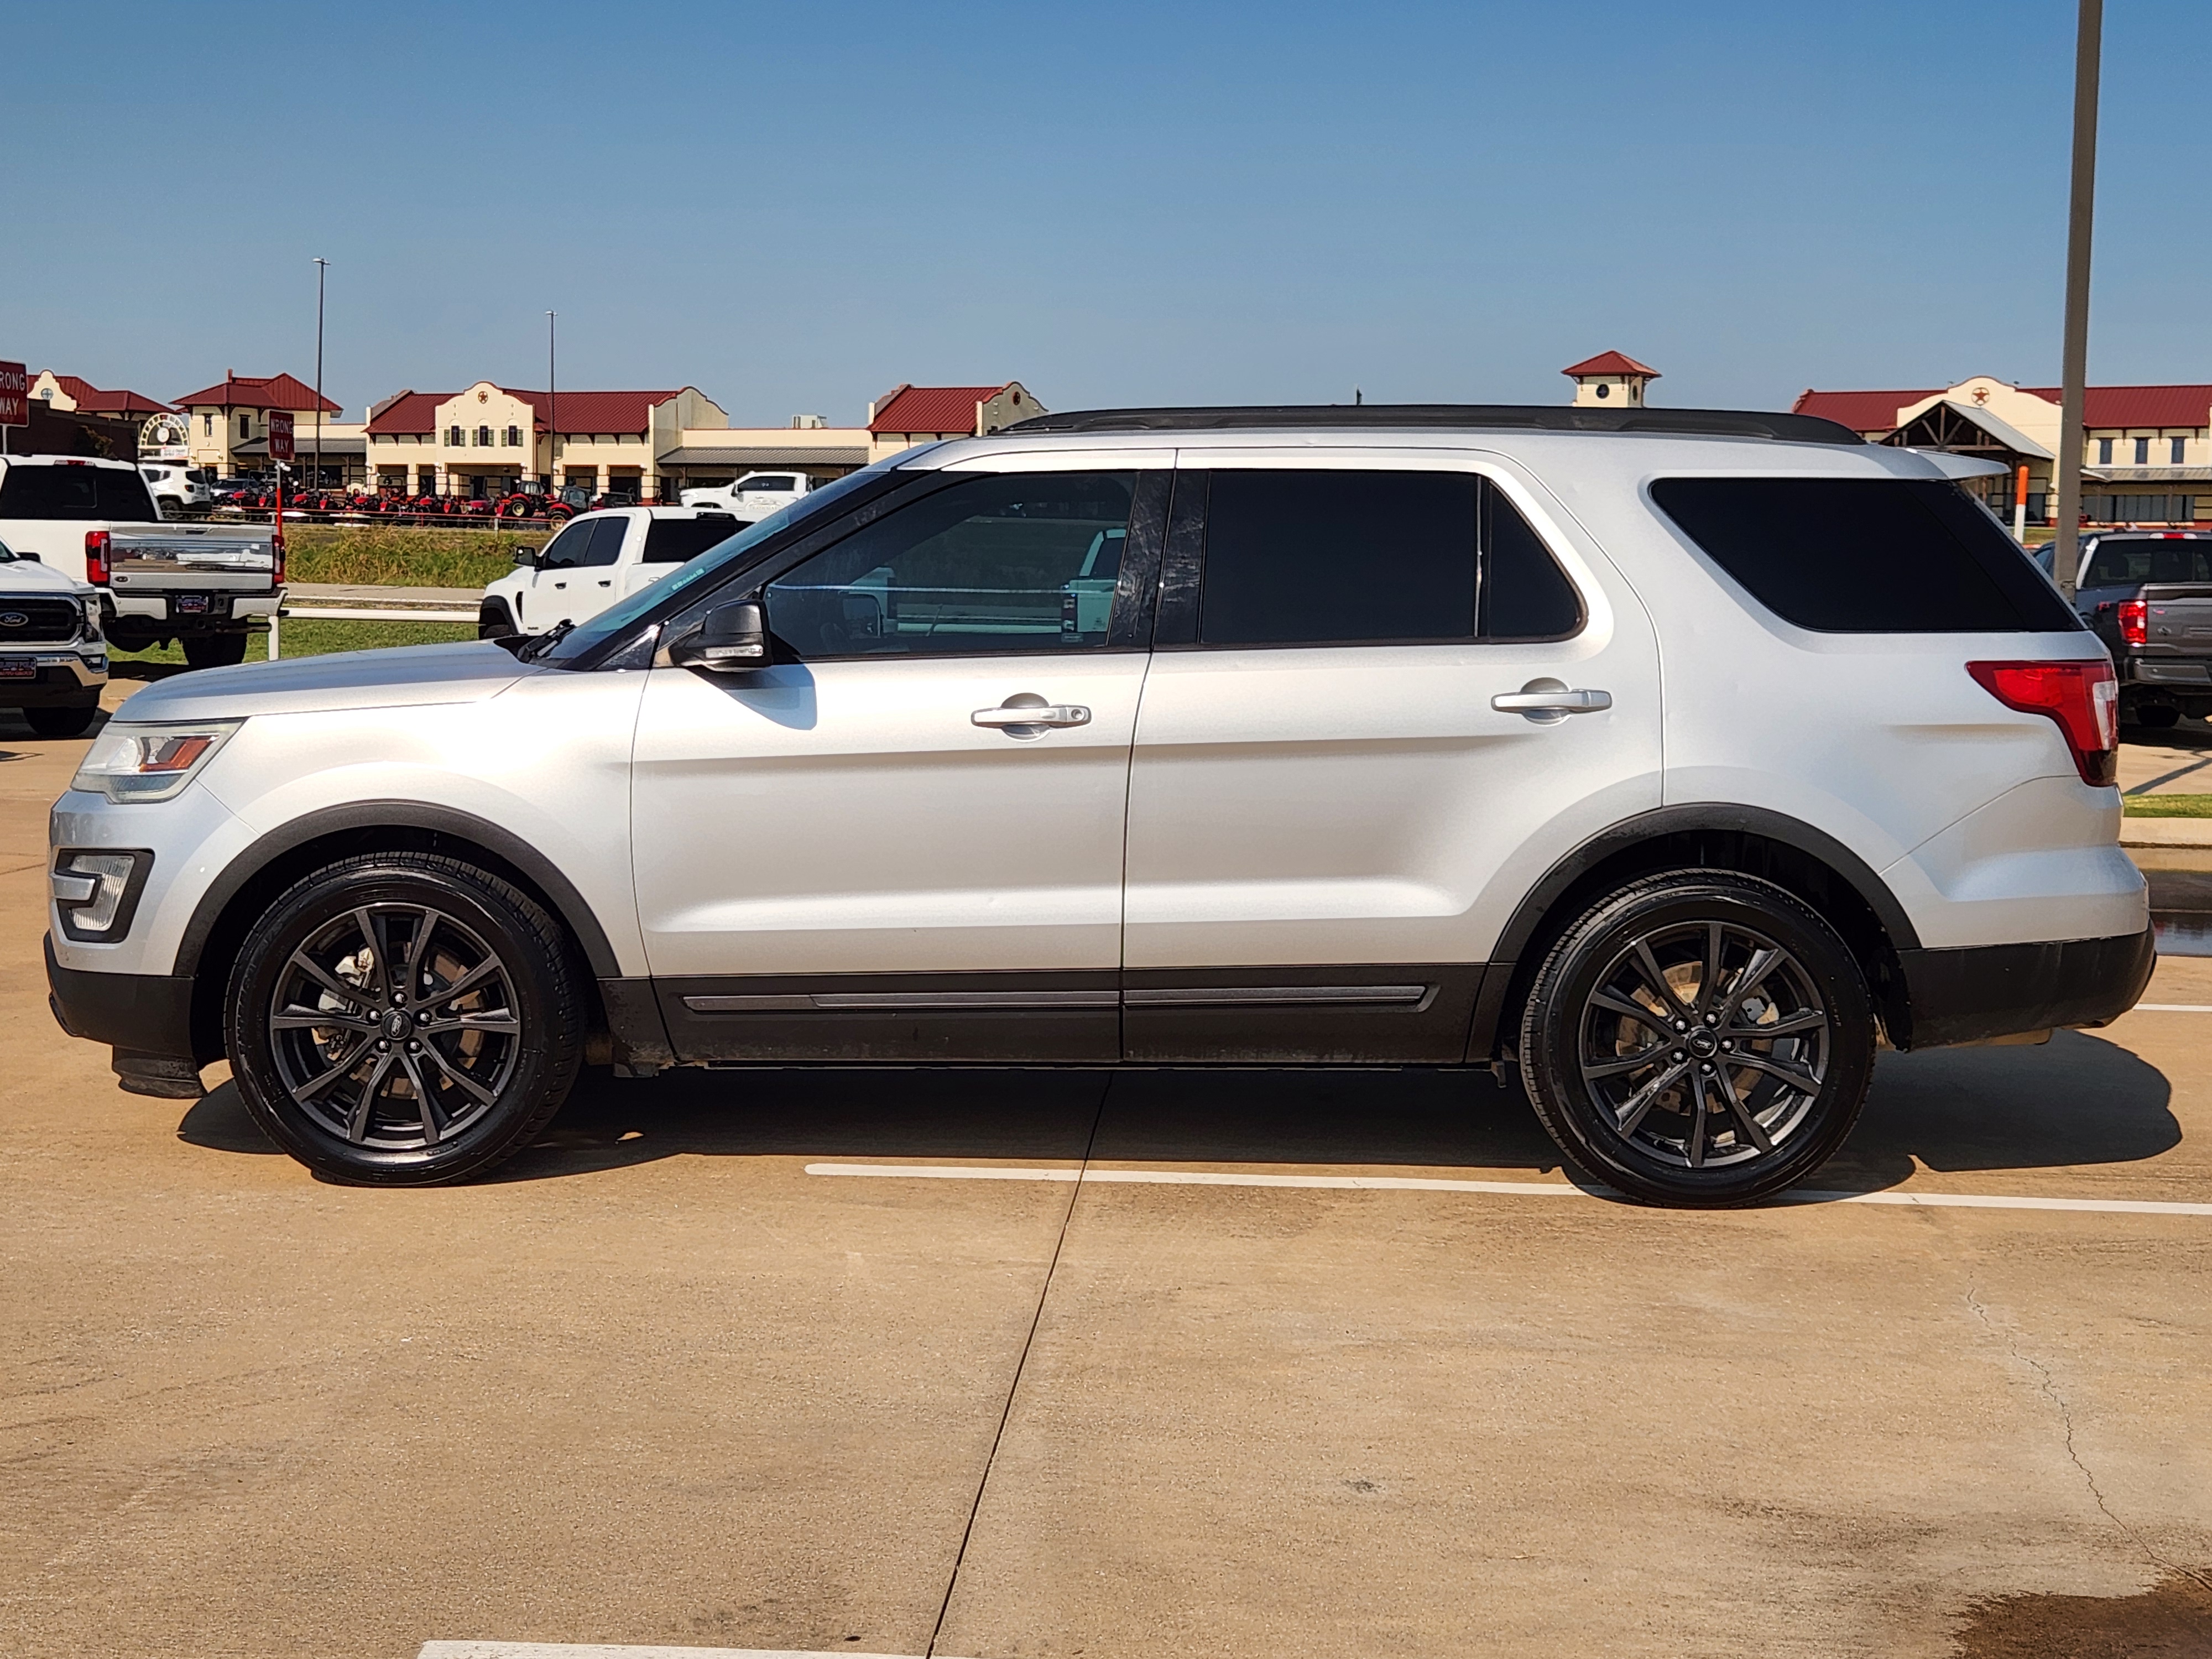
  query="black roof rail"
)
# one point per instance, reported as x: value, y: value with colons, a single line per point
x: 1520, y: 417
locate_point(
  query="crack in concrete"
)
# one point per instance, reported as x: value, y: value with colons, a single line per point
x: 2049, y: 1386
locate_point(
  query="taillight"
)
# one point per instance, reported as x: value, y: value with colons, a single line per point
x: 2135, y: 622
x: 95, y: 558
x: 2082, y: 698
x: 277, y: 557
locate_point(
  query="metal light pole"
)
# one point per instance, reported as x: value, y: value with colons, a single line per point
x: 321, y: 265
x: 552, y: 409
x: 2074, y: 367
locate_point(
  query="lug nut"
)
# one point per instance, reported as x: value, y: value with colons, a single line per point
x: 1681, y: 1024
x: 423, y: 1018
x: 416, y: 1049
x: 381, y: 1045
x: 1679, y: 1054
x: 1725, y: 1043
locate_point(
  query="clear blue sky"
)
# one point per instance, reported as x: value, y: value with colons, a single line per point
x: 795, y: 208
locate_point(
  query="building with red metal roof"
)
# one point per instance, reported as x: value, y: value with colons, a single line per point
x: 69, y: 394
x: 1612, y: 379
x: 488, y: 439
x: 909, y: 414
x: 2146, y: 450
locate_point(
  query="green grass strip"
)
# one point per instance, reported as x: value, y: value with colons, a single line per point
x: 2167, y: 806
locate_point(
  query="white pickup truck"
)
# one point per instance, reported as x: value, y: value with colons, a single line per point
x: 754, y: 496
x: 95, y: 522
x: 600, y: 557
x: 53, y: 659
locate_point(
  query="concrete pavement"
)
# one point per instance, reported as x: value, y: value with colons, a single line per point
x: 658, y: 1383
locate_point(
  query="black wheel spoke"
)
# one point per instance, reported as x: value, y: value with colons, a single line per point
x: 297, y: 1018
x: 1708, y: 974
x: 1795, y: 1077
x: 1693, y: 1145
x: 316, y: 1086
x: 467, y: 982
x: 364, y: 1108
x: 1811, y: 1019
x: 1624, y: 1063
x: 423, y: 1105
x: 1632, y: 1111
x: 1660, y: 982
x: 501, y: 1020
x: 1744, y: 1117
x: 1628, y: 1010
x: 416, y: 949
x: 302, y: 962
x: 459, y: 1079
x: 380, y: 960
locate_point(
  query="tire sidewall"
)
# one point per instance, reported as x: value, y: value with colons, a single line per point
x: 549, y: 1047
x: 1550, y: 1049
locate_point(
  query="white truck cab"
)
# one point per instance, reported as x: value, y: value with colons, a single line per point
x: 754, y: 496
x: 598, y: 559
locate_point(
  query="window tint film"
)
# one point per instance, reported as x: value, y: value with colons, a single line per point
x: 1023, y: 561
x: 671, y: 541
x: 2130, y: 562
x: 1866, y: 555
x: 1330, y: 556
x: 566, y: 550
x: 607, y: 538
x: 74, y: 492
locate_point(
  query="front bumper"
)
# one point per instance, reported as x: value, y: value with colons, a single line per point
x: 2002, y: 990
x: 146, y: 1019
x: 64, y: 680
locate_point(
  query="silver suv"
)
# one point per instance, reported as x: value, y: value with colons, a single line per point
x: 1587, y: 745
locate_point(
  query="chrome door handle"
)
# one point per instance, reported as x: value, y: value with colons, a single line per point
x: 1558, y: 702
x: 1038, y: 713
x: 1546, y: 701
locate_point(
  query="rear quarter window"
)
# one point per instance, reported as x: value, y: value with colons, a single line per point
x: 1866, y: 555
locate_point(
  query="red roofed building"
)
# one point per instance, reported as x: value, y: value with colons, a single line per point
x: 68, y: 394
x: 2146, y: 450
x: 1612, y: 379
x: 909, y: 414
x: 228, y: 422
x: 489, y: 439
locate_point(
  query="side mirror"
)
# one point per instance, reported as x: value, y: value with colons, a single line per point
x: 527, y: 555
x: 731, y: 638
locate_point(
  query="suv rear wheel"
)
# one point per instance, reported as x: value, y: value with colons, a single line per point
x: 403, y: 1019
x: 1700, y: 1038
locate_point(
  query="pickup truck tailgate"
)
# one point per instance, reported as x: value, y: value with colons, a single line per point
x: 209, y: 559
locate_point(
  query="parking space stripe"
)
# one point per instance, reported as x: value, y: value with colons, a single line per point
x: 1502, y: 1188
x: 604, y: 1650
x: 2171, y: 1008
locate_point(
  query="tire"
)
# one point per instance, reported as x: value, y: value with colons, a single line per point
x: 494, y: 621
x: 341, y: 1097
x: 62, y: 721
x: 1598, y: 1055
x: 214, y: 650
x: 2158, y: 717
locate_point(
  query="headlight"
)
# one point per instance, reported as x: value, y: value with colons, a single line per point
x: 149, y: 762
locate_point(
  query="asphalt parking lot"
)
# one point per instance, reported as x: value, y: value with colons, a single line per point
x: 1054, y: 1363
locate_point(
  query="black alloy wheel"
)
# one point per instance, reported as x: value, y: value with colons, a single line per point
x: 1698, y: 1039
x: 404, y: 1019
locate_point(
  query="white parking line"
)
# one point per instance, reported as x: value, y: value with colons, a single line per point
x: 2171, y: 1008
x: 1503, y: 1189
x: 603, y: 1650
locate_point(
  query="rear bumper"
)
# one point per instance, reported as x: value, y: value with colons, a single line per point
x: 2000, y: 990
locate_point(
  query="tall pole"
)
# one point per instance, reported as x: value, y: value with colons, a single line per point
x: 2074, y: 367
x: 552, y: 409
x: 321, y: 265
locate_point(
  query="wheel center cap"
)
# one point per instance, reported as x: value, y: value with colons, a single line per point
x: 397, y: 1025
x: 1704, y: 1044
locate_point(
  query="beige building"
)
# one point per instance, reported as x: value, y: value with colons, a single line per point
x: 911, y: 414
x: 228, y: 423
x: 488, y: 440
x: 67, y: 394
x: 1611, y: 380
x: 2146, y: 450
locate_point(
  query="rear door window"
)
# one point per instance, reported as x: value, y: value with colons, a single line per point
x: 1866, y: 555
x: 1336, y: 556
x: 675, y: 541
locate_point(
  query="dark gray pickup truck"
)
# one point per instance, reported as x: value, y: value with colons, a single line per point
x: 2148, y: 595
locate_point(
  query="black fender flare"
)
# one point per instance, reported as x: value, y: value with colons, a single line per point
x: 1689, y: 818
x: 398, y: 815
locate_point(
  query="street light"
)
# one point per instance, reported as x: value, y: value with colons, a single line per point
x: 552, y: 409
x: 321, y: 265
x: 2074, y: 365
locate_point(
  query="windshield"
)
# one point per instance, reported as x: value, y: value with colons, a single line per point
x: 724, y: 555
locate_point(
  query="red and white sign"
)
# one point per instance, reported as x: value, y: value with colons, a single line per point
x: 15, y: 395
x: 280, y: 434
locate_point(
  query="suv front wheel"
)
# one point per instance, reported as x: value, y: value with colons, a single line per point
x: 1700, y: 1038
x: 404, y: 1019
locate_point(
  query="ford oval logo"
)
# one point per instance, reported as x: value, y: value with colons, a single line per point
x: 14, y: 619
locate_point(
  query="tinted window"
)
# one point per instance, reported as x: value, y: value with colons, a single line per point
x: 1866, y: 555
x: 1025, y: 561
x: 671, y: 541
x: 75, y: 492
x: 771, y: 483
x: 2131, y: 562
x: 592, y: 541
x: 1332, y: 556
